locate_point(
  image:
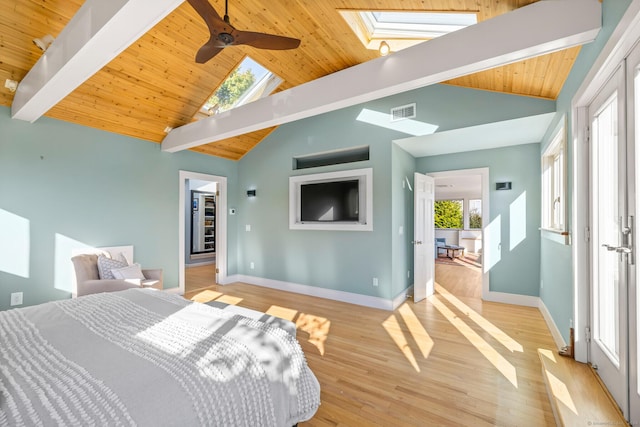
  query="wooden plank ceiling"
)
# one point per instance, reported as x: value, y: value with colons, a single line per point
x: 156, y: 82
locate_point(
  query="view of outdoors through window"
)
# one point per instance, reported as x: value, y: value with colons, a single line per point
x: 248, y: 82
x: 475, y: 213
x: 448, y: 214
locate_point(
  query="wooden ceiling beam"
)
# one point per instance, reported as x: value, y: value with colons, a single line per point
x: 530, y: 31
x: 99, y: 32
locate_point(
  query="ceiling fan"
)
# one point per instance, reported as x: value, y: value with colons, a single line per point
x: 223, y: 34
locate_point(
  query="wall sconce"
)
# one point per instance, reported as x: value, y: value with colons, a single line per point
x: 44, y: 42
x: 251, y: 193
x: 503, y: 185
x: 384, y: 48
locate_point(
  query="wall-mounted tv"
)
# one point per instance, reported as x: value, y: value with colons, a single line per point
x: 332, y: 201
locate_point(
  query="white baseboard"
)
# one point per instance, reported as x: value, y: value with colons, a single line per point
x: 553, y: 328
x: 515, y: 299
x: 332, y: 294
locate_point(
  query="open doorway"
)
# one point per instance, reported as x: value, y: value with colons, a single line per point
x: 200, y: 260
x: 460, y: 213
x: 202, y: 229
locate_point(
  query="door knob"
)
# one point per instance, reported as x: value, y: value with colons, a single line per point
x: 416, y: 242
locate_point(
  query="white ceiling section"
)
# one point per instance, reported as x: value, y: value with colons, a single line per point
x: 530, y: 31
x: 99, y: 32
x: 525, y: 130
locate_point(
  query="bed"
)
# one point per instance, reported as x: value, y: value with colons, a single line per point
x: 149, y: 358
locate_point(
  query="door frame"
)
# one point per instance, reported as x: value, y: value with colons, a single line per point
x: 486, y: 216
x: 619, y: 45
x: 221, y: 225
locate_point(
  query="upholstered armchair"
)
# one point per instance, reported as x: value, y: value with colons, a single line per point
x: 88, y: 277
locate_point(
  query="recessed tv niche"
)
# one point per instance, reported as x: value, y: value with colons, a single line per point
x: 332, y: 201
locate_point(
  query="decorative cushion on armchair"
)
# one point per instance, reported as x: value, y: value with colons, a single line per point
x: 88, y: 277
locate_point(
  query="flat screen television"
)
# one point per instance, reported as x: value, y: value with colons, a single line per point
x: 341, y: 200
x: 335, y: 201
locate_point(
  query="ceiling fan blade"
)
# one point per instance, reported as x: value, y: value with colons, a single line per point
x: 265, y: 41
x: 208, y: 51
x: 214, y: 22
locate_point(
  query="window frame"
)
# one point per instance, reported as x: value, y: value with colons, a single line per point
x: 469, y: 213
x: 554, y: 182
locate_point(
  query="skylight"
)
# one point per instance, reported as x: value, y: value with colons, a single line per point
x: 248, y: 82
x: 403, y: 29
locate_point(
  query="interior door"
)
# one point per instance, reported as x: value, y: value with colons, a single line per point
x: 610, y: 250
x: 423, y: 238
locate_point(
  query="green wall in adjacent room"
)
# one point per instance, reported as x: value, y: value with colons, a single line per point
x: 64, y: 186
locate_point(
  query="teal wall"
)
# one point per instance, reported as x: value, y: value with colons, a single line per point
x: 63, y: 185
x: 515, y: 213
x: 348, y: 261
x: 340, y: 260
x: 403, y: 167
x: 556, y: 267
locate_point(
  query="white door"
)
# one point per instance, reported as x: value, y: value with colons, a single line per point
x: 610, y: 225
x: 423, y: 237
x: 633, y: 160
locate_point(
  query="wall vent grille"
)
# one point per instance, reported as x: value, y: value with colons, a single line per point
x: 403, y: 112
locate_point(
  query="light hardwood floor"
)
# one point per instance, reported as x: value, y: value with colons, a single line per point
x: 199, y: 277
x: 452, y: 360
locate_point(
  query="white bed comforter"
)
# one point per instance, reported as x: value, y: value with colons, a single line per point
x: 148, y: 358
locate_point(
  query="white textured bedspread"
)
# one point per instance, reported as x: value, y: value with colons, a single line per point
x: 148, y: 358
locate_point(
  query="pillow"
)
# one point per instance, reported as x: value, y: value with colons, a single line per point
x: 129, y: 272
x: 105, y: 265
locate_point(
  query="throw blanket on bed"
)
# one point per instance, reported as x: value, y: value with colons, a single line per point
x: 145, y: 357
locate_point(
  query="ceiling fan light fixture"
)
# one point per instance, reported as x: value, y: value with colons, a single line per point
x: 44, y: 42
x: 12, y: 85
x: 384, y: 48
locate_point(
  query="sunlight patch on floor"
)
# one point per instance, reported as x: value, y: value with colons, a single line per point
x: 392, y: 327
x: 228, y: 299
x: 561, y: 392
x: 492, y: 355
x: 206, y: 296
x: 317, y: 328
x: 504, y: 339
x: 282, y: 312
x: 548, y: 354
x: 418, y: 332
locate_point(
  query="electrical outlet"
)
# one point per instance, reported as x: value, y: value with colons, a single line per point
x: 252, y: 265
x: 16, y: 298
x: 247, y: 227
x: 375, y: 281
x: 408, y: 274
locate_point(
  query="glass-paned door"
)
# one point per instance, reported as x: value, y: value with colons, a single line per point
x: 633, y: 160
x: 610, y: 236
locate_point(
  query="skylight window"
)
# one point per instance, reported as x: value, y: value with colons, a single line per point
x: 248, y: 82
x: 403, y: 29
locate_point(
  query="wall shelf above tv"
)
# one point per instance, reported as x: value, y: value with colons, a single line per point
x: 332, y: 201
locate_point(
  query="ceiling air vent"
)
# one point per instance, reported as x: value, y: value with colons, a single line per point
x: 403, y: 112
